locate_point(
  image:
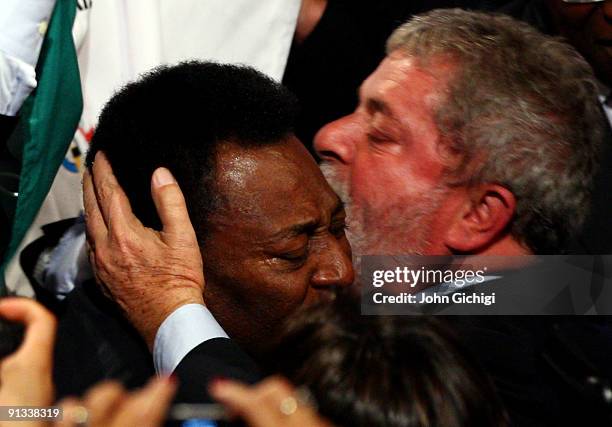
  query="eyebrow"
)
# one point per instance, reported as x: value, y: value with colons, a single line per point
x: 306, y: 226
x: 376, y: 105
x: 296, y: 229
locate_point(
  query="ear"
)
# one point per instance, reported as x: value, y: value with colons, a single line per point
x: 481, y: 219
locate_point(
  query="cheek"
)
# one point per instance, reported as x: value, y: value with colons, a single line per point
x: 368, y: 176
x: 247, y: 285
x: 380, y: 181
x: 277, y: 293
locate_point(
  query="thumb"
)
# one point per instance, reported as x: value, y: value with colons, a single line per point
x: 171, y: 208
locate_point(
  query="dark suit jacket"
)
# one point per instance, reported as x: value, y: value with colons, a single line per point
x: 541, y: 365
x: 219, y: 357
x: 95, y: 342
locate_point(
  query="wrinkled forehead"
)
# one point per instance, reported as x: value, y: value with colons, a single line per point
x: 412, y: 76
x: 271, y: 185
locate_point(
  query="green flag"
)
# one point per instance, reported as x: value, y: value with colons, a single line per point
x: 48, y: 120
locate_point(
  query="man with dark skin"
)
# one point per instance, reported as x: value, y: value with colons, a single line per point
x: 271, y: 229
x: 281, y: 231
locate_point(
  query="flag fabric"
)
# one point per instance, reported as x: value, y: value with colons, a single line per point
x: 48, y: 120
x: 118, y: 40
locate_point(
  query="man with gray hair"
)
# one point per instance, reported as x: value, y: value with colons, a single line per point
x: 485, y: 132
x: 476, y: 135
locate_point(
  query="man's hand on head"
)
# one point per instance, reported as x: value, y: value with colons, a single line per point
x: 148, y: 273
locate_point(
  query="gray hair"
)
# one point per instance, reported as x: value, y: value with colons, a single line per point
x: 521, y: 110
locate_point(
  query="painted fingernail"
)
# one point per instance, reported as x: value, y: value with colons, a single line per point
x: 162, y: 176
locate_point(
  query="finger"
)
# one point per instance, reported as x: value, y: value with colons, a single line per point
x: 96, y: 228
x: 276, y: 386
x: 148, y: 406
x: 104, y: 182
x: 171, y: 208
x: 73, y: 413
x: 279, y: 395
x: 102, y: 401
x: 40, y: 328
x: 245, y: 401
x: 92, y: 261
x: 113, y: 203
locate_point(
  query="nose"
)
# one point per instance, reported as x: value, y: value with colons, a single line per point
x: 336, y: 140
x: 335, y: 269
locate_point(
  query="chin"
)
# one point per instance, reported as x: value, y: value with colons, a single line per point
x: 259, y: 344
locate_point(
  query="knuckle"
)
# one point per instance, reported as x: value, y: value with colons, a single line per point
x: 107, y: 185
x: 122, y: 243
x: 280, y: 383
x: 100, y: 258
x: 171, y: 194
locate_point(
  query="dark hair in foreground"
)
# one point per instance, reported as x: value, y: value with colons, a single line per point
x: 385, y: 370
x: 176, y: 117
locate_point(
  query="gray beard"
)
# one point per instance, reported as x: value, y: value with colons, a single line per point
x: 400, y: 228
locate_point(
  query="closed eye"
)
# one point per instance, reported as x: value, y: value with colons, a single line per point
x: 338, y: 228
x: 377, y: 139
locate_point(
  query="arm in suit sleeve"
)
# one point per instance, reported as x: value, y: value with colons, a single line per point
x: 191, y: 344
x: 218, y: 357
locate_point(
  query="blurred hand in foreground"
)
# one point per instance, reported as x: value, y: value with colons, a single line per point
x: 148, y: 273
x: 271, y: 403
x: 26, y: 380
x: 108, y: 404
x: 25, y: 375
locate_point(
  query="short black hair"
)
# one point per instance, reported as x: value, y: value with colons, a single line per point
x: 391, y: 371
x: 175, y: 116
